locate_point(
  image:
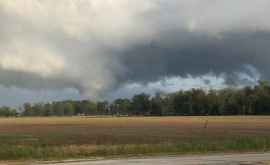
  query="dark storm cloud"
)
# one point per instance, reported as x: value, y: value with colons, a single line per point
x: 199, y: 54
x: 97, y: 46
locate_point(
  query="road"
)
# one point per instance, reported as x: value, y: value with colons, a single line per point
x: 228, y: 159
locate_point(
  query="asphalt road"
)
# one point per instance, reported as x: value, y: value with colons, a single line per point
x: 228, y: 159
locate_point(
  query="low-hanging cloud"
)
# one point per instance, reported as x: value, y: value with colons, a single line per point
x: 98, y: 46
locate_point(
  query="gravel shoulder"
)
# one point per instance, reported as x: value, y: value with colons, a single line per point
x: 218, y: 159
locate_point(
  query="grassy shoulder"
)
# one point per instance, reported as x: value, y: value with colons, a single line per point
x: 49, y: 152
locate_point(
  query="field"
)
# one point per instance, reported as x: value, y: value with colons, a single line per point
x: 90, y: 137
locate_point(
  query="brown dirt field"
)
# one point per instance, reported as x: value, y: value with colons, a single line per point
x: 127, y: 130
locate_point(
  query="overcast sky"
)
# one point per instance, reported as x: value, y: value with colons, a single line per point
x: 103, y: 49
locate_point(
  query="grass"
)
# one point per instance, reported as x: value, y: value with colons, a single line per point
x: 81, y: 137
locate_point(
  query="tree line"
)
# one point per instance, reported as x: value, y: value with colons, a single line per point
x: 245, y: 101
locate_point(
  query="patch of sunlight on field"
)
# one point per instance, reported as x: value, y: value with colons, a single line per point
x: 85, y: 120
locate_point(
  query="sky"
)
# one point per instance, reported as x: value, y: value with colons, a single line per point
x: 104, y: 49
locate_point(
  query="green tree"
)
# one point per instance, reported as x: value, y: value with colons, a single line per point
x: 103, y: 108
x: 69, y: 109
x: 141, y: 104
x: 122, y: 106
x: 27, y: 110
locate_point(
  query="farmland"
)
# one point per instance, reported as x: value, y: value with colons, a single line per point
x: 88, y: 137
